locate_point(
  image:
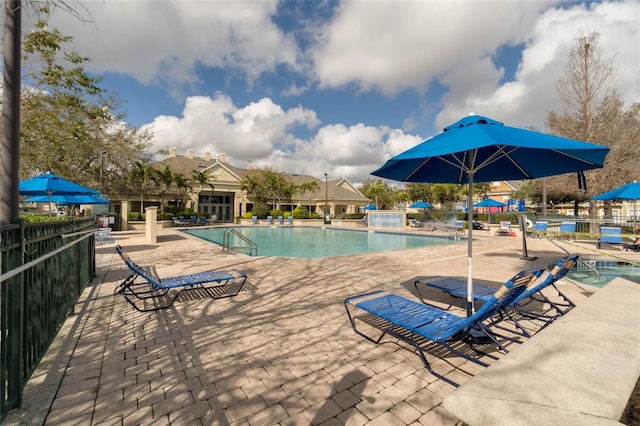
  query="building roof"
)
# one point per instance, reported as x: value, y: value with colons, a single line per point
x: 338, y: 189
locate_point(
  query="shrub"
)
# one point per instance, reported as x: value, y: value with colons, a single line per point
x: 260, y: 210
x: 37, y: 218
x: 300, y: 212
x: 276, y: 213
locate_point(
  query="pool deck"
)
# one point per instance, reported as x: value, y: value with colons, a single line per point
x: 281, y: 352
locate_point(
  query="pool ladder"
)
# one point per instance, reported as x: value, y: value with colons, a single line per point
x: 226, y: 242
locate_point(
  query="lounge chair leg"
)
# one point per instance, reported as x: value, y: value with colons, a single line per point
x: 392, y: 332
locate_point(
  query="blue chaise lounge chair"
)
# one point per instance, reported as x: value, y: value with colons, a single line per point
x: 482, y: 293
x: 217, y: 284
x: 567, y: 230
x: 610, y: 235
x: 415, y: 322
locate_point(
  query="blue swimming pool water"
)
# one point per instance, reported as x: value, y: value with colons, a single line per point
x: 313, y: 242
x: 608, y: 269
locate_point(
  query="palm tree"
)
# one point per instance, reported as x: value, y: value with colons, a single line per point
x: 374, y: 191
x: 251, y: 185
x: 165, y: 179
x: 310, y: 186
x: 201, y: 177
x: 181, y: 183
x: 142, y: 176
x: 288, y: 190
x: 447, y: 192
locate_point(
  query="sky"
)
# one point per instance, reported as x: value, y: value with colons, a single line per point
x: 316, y: 87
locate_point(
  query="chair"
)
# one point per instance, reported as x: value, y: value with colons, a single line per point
x: 610, y: 235
x: 202, y: 220
x: 414, y: 322
x: 414, y: 224
x: 363, y: 222
x: 279, y: 220
x: 479, y: 226
x: 567, y: 230
x: 179, y: 222
x: 540, y: 228
x: 458, y: 289
x: 505, y: 229
x: 634, y: 246
x: 217, y: 284
x: 289, y: 220
x: 254, y: 220
x: 459, y: 226
x: 268, y: 220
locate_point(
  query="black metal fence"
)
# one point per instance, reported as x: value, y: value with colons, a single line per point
x: 45, y: 267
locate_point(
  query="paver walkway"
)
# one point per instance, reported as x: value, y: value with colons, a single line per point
x: 281, y: 352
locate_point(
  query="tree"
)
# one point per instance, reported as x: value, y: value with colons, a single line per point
x: 202, y: 177
x: 68, y: 121
x: 142, y: 176
x: 310, y: 186
x: 375, y: 190
x: 181, y: 184
x: 288, y: 190
x: 165, y: 179
x: 593, y: 112
x: 447, y: 193
x: 264, y: 185
x: 419, y: 191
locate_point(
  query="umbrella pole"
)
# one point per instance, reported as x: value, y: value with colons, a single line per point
x: 470, y: 308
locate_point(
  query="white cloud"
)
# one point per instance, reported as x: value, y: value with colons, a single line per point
x: 163, y: 41
x: 383, y: 47
x: 526, y: 101
x: 216, y: 125
x: 391, y: 46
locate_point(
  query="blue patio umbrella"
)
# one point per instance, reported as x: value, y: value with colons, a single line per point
x: 480, y: 149
x: 421, y: 205
x: 370, y: 207
x: 67, y: 200
x: 489, y: 202
x: 628, y: 191
x: 49, y: 184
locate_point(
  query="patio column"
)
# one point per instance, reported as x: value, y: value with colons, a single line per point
x: 124, y: 216
x: 151, y: 230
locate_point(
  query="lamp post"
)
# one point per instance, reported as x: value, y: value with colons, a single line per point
x: 326, y: 197
x: 102, y: 171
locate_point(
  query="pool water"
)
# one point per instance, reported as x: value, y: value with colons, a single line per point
x: 314, y: 242
x: 607, y: 270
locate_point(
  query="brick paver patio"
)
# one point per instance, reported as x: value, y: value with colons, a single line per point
x: 281, y: 352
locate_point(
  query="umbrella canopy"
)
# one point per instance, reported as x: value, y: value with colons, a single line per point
x: 421, y: 205
x: 370, y: 207
x: 49, y: 184
x: 489, y: 202
x: 479, y: 149
x: 628, y: 191
x: 67, y: 200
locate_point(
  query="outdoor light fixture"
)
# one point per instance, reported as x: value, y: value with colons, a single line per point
x: 102, y: 171
x: 326, y: 197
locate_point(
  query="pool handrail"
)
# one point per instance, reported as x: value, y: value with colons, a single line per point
x: 226, y: 241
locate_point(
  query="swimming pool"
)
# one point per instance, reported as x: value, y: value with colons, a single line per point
x: 314, y: 242
x: 608, y: 269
